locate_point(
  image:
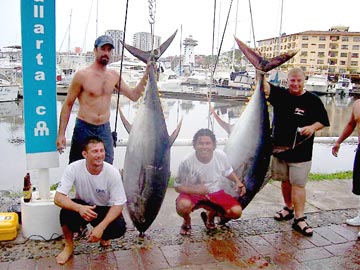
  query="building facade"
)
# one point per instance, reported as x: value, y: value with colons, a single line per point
x: 117, y: 36
x: 144, y: 41
x: 334, y: 52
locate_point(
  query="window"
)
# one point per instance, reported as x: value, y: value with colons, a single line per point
x: 321, y: 46
x: 343, y: 54
x: 354, y: 63
x: 321, y: 54
x: 320, y: 62
x: 305, y: 37
x: 344, y: 38
x: 344, y: 47
x: 342, y: 63
x: 304, y: 45
x: 322, y: 38
x: 354, y: 55
x: 355, y: 47
x: 303, y: 61
x: 356, y: 39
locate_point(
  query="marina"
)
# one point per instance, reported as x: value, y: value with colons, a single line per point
x: 194, y: 114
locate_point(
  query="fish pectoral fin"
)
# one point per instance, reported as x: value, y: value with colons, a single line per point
x: 175, y: 133
x: 126, y: 123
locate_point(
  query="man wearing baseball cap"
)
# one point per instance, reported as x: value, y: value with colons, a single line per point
x: 93, y: 86
x: 103, y: 40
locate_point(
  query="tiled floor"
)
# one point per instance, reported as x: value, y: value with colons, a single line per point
x: 331, y: 247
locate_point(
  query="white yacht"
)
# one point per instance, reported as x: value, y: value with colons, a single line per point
x: 343, y: 86
x: 318, y: 84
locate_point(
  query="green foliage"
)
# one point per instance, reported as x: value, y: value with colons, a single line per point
x: 330, y: 176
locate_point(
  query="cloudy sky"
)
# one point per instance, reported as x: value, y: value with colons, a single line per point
x: 190, y: 17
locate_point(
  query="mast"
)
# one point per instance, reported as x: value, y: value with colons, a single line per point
x: 235, y: 34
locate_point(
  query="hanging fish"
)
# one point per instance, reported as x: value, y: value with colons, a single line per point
x: 249, y: 146
x: 147, y: 159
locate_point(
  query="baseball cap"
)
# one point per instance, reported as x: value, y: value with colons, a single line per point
x: 102, y: 40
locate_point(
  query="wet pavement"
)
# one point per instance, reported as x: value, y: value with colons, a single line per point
x: 256, y: 241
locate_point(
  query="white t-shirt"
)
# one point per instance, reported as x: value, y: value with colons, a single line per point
x: 213, y: 174
x: 104, y: 189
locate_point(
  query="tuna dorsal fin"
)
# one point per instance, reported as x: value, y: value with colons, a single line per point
x: 175, y: 133
x: 261, y: 63
x: 126, y: 123
x: 155, y: 54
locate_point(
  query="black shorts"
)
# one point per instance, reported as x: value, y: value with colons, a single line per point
x: 356, y: 172
x: 75, y: 222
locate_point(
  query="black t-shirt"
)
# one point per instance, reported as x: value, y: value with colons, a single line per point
x: 293, y: 112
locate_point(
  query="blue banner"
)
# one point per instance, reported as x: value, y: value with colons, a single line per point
x: 39, y: 82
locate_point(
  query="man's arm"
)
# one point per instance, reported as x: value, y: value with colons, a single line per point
x: 348, y: 129
x: 85, y: 211
x: 73, y: 93
x: 134, y: 93
x: 240, y: 187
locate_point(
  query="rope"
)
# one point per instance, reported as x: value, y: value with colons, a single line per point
x: 114, y: 133
x: 252, y: 24
x: 218, y: 54
x: 212, y: 57
x: 152, y: 12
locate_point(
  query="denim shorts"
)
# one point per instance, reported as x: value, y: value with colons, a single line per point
x: 356, y: 172
x: 82, y: 131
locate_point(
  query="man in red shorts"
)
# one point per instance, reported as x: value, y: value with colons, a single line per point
x: 200, y: 182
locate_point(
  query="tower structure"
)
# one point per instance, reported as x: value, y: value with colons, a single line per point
x: 189, y: 45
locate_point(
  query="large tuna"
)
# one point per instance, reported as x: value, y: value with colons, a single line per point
x: 147, y: 158
x: 249, y: 146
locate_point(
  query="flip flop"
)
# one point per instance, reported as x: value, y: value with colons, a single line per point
x: 185, y: 230
x: 209, y: 225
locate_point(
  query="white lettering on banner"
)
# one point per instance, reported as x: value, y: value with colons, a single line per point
x: 41, y: 129
x: 38, y: 11
x: 39, y: 29
x: 41, y: 110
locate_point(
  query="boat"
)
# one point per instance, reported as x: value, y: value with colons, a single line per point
x: 198, y: 77
x: 132, y: 70
x: 319, y: 85
x: 240, y: 83
x: 8, y: 91
x: 343, y: 86
x: 168, y: 80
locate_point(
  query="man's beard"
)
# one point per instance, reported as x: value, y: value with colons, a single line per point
x: 104, y: 61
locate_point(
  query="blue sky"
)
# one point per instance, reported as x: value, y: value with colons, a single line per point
x: 194, y: 17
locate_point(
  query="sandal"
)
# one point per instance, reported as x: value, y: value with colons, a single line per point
x: 208, y: 224
x: 303, y: 231
x: 185, y: 229
x: 281, y: 217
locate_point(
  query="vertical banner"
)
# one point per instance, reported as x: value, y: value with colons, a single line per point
x: 39, y: 82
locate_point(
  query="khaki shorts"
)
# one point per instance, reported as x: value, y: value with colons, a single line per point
x: 296, y: 172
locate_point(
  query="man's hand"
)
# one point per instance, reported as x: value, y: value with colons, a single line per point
x: 61, y: 143
x: 94, y: 235
x: 87, y: 213
x: 335, y: 149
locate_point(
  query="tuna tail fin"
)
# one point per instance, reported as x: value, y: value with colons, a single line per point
x: 153, y: 55
x: 126, y: 123
x: 175, y: 133
x: 260, y: 62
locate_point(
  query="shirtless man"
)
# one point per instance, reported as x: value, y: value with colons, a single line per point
x: 353, y: 122
x: 93, y: 87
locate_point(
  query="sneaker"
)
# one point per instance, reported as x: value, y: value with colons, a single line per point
x: 354, y: 221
